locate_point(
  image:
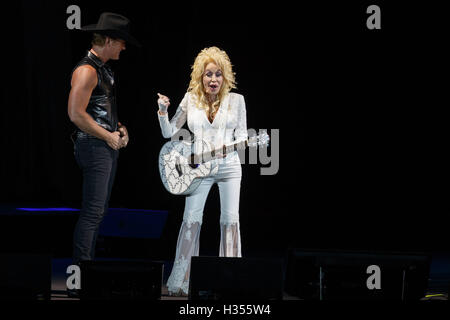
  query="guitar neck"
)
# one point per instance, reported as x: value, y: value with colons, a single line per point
x: 207, y: 156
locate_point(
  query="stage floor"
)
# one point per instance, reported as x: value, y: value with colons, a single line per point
x: 438, y: 282
x: 59, y: 277
x: 35, y: 230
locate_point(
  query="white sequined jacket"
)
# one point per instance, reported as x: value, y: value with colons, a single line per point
x: 229, y: 125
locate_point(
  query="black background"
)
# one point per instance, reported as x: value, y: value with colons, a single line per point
x: 360, y: 112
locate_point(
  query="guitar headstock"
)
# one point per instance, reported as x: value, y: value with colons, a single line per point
x: 261, y: 140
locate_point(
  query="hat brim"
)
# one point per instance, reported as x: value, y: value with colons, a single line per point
x: 117, y: 34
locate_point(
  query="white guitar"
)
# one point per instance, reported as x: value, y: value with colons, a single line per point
x: 182, y: 171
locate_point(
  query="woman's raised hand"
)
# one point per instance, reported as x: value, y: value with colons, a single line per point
x: 163, y: 103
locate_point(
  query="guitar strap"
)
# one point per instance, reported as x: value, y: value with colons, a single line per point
x: 223, y: 125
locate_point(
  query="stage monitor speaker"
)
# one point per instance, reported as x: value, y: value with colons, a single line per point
x: 218, y: 278
x: 348, y: 275
x: 25, y: 276
x: 121, y: 280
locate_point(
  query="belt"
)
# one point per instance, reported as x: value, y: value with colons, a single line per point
x: 83, y: 135
x: 77, y: 134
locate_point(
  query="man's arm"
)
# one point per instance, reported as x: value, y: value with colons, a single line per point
x: 84, y: 80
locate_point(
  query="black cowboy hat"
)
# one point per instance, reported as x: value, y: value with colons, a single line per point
x: 113, y: 25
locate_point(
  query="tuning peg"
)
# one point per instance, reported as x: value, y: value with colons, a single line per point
x: 263, y: 139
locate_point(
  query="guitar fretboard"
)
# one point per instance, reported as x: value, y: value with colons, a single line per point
x: 211, y: 155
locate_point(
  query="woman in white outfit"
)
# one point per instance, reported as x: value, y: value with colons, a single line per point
x: 217, y: 116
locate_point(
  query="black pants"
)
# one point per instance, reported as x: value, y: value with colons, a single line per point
x: 98, y: 163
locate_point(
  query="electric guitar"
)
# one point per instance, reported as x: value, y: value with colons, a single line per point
x: 182, y: 170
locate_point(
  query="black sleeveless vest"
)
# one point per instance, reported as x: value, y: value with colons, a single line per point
x: 102, y: 103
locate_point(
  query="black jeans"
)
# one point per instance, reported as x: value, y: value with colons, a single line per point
x: 98, y: 163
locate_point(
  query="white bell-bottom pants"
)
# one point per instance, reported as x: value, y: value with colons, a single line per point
x: 228, y: 179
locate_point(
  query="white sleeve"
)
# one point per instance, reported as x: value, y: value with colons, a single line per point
x: 169, y: 128
x: 240, y: 133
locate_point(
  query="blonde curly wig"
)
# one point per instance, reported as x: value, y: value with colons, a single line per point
x: 221, y: 59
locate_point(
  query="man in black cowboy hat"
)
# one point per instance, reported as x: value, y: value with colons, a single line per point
x: 99, y: 135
